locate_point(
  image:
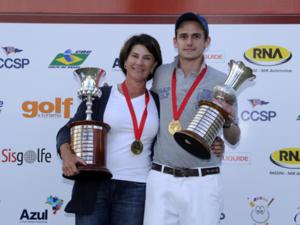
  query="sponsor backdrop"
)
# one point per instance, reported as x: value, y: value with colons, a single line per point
x: 38, y: 95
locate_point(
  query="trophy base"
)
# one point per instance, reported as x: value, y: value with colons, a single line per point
x: 91, y: 172
x: 193, y: 143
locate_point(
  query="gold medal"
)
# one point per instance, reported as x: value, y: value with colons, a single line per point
x: 137, y: 147
x: 174, y: 126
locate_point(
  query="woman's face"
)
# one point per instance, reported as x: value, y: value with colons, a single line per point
x: 139, y: 63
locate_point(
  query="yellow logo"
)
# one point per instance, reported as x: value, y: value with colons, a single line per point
x: 268, y: 55
x: 287, y: 158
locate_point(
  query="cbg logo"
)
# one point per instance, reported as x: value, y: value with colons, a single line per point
x: 286, y: 158
x: 13, y: 62
x: 258, y: 115
x: 29, y: 156
x: 47, y: 109
x: 69, y: 59
x: 267, y: 55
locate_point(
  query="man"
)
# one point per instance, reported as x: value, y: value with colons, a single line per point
x: 193, y: 196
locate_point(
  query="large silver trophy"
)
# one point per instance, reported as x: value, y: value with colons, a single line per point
x: 210, y: 117
x: 88, y: 137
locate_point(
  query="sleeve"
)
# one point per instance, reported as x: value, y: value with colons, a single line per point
x: 63, y: 135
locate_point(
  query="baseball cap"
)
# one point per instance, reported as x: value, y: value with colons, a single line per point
x: 194, y: 17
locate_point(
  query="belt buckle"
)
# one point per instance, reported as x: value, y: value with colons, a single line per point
x: 181, y: 172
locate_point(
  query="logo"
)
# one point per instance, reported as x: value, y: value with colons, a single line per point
x: 236, y: 158
x: 29, y: 156
x: 34, y: 216
x: 13, y: 62
x: 267, y: 55
x: 1, y: 105
x: 47, y: 109
x: 116, y: 65
x: 55, y: 203
x: 260, y: 210
x: 296, y: 218
x: 68, y: 59
x: 255, y: 102
x: 214, y: 57
x: 258, y: 115
x: 286, y: 158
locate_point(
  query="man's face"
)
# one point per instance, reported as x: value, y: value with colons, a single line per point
x: 190, y: 41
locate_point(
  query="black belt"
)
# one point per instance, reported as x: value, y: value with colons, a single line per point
x: 185, y: 172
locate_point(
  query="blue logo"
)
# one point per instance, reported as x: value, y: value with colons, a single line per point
x: 258, y: 115
x: 10, y: 62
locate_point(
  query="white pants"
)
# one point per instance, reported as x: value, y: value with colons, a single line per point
x: 183, y: 200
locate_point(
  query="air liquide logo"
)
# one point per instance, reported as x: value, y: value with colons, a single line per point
x: 68, y: 59
x: 256, y: 114
x: 47, y: 109
x: 260, y: 213
x: 12, y: 59
x: 286, y: 158
x: 268, y: 55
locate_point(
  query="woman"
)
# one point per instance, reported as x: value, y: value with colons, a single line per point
x: 131, y: 111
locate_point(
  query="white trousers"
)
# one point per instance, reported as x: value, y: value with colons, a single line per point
x: 183, y: 200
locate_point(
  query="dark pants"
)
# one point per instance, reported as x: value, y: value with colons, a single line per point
x: 118, y: 203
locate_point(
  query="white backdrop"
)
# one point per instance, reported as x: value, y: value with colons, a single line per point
x: 38, y: 95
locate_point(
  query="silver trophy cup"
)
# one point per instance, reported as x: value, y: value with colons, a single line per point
x: 88, y: 137
x: 210, y: 117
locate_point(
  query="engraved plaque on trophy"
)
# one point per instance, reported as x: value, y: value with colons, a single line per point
x: 210, y: 117
x: 88, y: 137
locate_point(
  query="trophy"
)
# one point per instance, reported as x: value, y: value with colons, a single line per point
x: 210, y: 117
x: 88, y: 137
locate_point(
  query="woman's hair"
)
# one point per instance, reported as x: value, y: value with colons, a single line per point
x: 148, y: 42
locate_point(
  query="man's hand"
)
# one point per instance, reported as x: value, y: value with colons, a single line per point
x: 218, y: 147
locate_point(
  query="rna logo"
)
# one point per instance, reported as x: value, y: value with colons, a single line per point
x: 267, y: 55
x: 286, y: 158
x: 68, y: 59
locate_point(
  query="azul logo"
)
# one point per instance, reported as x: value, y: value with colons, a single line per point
x: 287, y: 158
x: 258, y: 115
x: 260, y: 210
x: 68, y: 59
x: 267, y: 55
x: 30, y: 156
x: 55, y: 203
x: 1, y: 105
x: 34, y: 216
x: 13, y: 62
x: 47, y: 109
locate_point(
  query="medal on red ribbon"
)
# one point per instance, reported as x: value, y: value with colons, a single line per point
x: 137, y: 145
x: 175, y: 125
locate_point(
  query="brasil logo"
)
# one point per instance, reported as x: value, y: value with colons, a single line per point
x: 68, y: 59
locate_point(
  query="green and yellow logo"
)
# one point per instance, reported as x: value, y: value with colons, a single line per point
x: 287, y: 158
x: 267, y: 55
x: 69, y: 59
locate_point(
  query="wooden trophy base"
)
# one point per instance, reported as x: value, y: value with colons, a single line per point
x: 91, y: 172
x: 193, y: 143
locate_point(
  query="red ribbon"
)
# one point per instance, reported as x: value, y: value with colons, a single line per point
x: 138, y: 130
x: 177, y: 113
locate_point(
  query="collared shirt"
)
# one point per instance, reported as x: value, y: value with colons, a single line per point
x: 166, y: 150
